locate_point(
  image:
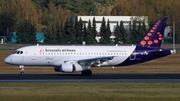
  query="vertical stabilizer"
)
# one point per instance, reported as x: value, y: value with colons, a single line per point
x: 154, y: 36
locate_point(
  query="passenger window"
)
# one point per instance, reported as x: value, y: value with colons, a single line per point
x: 21, y: 52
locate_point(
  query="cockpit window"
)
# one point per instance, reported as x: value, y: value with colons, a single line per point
x: 14, y: 52
x: 18, y: 52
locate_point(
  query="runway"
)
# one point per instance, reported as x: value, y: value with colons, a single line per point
x: 93, y: 78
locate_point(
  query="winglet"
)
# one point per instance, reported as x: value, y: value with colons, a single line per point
x: 154, y: 36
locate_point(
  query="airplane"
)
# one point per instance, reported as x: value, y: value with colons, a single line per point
x: 71, y: 59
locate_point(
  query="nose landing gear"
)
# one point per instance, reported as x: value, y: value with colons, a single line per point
x: 22, y: 69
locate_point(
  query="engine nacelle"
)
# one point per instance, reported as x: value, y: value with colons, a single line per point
x: 69, y: 68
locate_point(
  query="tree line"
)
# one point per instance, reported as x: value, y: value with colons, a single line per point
x: 154, y: 9
x: 75, y: 32
x: 44, y: 13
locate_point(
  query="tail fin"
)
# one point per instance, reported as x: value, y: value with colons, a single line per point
x: 154, y: 36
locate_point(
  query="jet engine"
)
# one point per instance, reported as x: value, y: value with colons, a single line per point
x: 69, y: 68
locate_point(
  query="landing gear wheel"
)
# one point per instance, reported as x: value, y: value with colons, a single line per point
x: 22, y: 73
x: 87, y: 73
x: 22, y: 69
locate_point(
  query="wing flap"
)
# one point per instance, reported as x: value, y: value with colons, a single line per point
x: 97, y: 58
x: 97, y: 61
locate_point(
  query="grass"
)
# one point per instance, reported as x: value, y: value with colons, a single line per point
x: 4, y: 47
x: 91, y: 91
x: 11, y: 46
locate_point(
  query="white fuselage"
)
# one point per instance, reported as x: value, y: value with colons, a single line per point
x: 56, y: 55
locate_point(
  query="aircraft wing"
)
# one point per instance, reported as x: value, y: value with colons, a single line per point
x: 97, y: 61
x: 88, y: 62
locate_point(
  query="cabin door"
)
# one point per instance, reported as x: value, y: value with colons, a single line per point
x: 133, y: 55
x: 33, y: 54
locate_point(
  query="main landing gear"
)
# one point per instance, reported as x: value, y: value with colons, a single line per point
x: 22, y: 69
x: 86, y: 73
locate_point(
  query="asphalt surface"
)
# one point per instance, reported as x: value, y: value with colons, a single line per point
x: 92, y: 78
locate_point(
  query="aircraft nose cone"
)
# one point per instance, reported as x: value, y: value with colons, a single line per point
x: 7, y: 60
